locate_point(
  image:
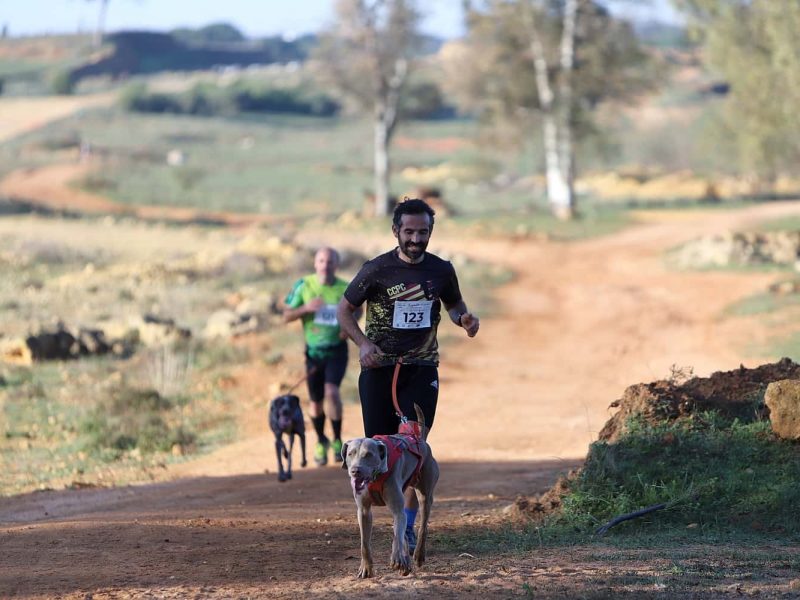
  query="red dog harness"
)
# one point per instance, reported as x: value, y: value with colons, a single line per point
x: 407, y: 438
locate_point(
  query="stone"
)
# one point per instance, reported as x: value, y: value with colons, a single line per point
x: 783, y: 400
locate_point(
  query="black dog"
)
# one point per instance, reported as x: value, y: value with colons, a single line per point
x: 286, y: 417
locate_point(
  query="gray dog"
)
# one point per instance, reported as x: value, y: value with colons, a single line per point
x: 368, y: 461
x: 286, y: 417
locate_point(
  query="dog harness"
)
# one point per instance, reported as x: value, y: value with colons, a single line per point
x: 407, y: 438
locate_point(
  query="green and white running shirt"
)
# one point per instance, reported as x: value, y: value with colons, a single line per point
x: 321, y: 329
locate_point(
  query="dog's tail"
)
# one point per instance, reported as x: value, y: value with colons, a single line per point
x: 414, y: 428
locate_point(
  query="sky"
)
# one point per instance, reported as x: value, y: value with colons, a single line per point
x: 255, y: 18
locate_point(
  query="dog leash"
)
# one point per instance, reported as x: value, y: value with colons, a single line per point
x: 310, y: 372
x: 398, y: 412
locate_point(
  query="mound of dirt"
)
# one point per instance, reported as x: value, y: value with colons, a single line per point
x: 546, y: 504
x: 734, y: 394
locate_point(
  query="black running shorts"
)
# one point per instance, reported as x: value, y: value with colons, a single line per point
x: 325, y: 370
x: 416, y: 384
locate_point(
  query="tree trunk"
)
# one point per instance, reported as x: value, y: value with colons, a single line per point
x: 559, y: 185
x: 101, y: 24
x: 563, y: 200
x: 386, y: 113
x: 381, y: 162
x: 556, y: 110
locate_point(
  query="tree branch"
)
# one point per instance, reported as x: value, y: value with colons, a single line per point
x: 626, y: 517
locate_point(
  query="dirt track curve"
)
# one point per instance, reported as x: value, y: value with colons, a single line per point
x: 519, y: 405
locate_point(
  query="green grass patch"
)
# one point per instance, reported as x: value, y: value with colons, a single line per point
x: 593, y: 219
x: 782, y: 224
x: 724, y: 482
x: 762, y: 304
x: 718, y: 475
x: 134, y: 419
x: 781, y: 345
x: 83, y: 421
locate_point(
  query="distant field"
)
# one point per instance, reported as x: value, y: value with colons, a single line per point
x: 271, y: 164
x: 20, y: 115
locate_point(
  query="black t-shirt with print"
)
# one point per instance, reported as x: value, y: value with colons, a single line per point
x: 404, y: 304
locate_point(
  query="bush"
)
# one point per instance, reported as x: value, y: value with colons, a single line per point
x: 62, y: 83
x: 133, y: 419
x: 209, y: 100
x: 424, y: 100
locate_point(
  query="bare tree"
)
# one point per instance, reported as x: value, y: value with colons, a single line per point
x: 97, y: 39
x: 555, y: 109
x: 545, y: 63
x: 367, y: 57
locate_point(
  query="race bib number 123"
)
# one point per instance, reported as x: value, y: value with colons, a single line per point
x: 412, y: 314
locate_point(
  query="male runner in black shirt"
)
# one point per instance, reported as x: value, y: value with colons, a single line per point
x: 404, y: 290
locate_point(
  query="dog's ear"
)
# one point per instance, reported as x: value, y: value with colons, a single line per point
x: 294, y: 402
x: 384, y: 455
x: 344, y: 455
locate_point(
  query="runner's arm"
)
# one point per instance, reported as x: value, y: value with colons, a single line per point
x: 291, y: 314
x: 343, y: 335
x: 368, y: 351
x: 460, y: 315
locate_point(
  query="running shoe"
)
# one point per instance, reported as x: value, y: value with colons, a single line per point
x: 321, y: 453
x: 411, y: 539
x: 336, y: 447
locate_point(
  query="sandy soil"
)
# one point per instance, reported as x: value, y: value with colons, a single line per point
x: 519, y: 405
x: 21, y: 115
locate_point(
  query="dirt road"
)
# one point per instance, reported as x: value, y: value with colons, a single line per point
x: 519, y: 405
x: 24, y: 114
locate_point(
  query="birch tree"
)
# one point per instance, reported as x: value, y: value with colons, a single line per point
x: 544, y: 64
x: 97, y: 39
x: 367, y: 56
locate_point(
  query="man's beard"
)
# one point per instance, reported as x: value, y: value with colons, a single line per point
x: 414, y: 251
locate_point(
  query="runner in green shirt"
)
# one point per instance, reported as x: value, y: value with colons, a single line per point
x: 314, y: 300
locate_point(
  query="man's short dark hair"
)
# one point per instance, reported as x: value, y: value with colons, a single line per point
x: 411, y: 206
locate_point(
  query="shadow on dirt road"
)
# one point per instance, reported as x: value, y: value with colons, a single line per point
x: 226, y: 531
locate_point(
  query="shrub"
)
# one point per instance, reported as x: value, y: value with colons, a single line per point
x: 62, y: 83
x: 243, y: 96
x: 136, y: 98
x: 131, y: 419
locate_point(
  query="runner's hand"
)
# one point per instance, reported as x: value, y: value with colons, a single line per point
x: 470, y: 323
x: 314, y: 304
x: 369, y: 354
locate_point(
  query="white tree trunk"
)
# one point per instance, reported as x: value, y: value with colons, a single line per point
x: 101, y: 24
x: 381, y: 167
x: 563, y: 202
x: 559, y: 185
x: 556, y: 111
x: 386, y: 113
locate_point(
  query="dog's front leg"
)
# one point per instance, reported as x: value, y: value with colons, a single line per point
x: 400, y: 560
x: 303, y: 461
x: 365, y: 526
x: 289, y: 457
x: 279, y: 450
